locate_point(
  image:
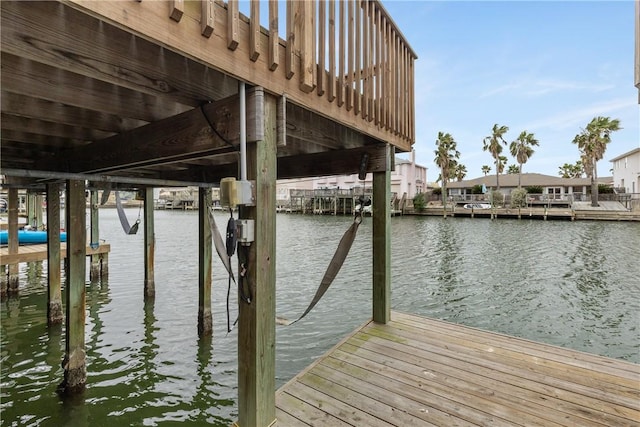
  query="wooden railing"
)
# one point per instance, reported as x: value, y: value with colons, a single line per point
x: 345, y: 59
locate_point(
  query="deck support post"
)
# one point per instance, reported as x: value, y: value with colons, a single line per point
x: 94, y: 242
x: 256, y: 330
x: 74, y: 363
x: 205, y: 321
x: 13, y: 281
x: 149, y: 245
x: 54, y: 288
x: 382, y: 243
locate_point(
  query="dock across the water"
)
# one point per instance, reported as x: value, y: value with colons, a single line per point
x: 31, y: 253
x: 422, y: 372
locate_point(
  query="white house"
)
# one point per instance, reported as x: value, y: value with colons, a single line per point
x: 408, y: 177
x: 626, y: 172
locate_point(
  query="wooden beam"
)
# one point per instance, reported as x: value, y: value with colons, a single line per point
x: 207, y: 17
x: 339, y: 162
x: 274, y: 39
x: 233, y: 24
x: 53, y: 34
x: 54, y: 284
x: 205, y: 252
x: 74, y: 363
x: 184, y: 136
x: 177, y: 10
x: 256, y: 326
x: 254, y: 31
x: 382, y: 243
x: 149, y: 245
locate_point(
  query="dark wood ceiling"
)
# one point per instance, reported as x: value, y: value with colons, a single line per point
x: 80, y: 96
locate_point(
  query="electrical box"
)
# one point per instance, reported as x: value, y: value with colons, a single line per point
x: 234, y: 193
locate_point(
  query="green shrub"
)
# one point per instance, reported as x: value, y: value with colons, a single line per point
x: 519, y: 198
x: 605, y: 189
x: 437, y: 191
x: 476, y: 189
x: 419, y: 202
x: 497, y: 198
x: 534, y: 189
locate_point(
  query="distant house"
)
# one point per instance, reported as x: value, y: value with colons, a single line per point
x: 408, y: 177
x: 553, y: 187
x: 626, y: 171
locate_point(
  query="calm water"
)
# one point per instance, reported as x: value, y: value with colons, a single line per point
x: 571, y: 284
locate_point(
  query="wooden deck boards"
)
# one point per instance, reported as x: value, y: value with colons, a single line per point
x: 31, y: 253
x: 423, y: 372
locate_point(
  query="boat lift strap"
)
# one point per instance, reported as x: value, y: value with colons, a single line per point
x: 128, y: 229
x: 332, y: 270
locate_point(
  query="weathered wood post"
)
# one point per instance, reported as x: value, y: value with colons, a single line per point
x: 205, y: 321
x: 149, y: 245
x: 14, y: 270
x: 94, y: 242
x: 382, y: 242
x: 256, y: 330
x: 54, y: 289
x: 74, y: 363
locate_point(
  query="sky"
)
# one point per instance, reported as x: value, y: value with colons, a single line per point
x: 547, y: 67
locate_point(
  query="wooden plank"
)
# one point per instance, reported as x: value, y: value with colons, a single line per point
x: 559, y: 354
x: 435, y: 377
x: 49, y: 128
x: 351, y: 6
x: 357, y: 65
x: 176, y: 138
x: 32, y: 253
x: 471, y: 384
x: 254, y: 30
x: 256, y: 324
x: 207, y: 17
x: 149, y: 245
x: 322, y: 36
x: 341, y: 52
x: 290, y: 49
x: 366, y: 59
x: 205, y: 257
x: 331, y: 85
x: 328, y: 163
x: 306, y: 32
x: 302, y: 413
x: 176, y: 9
x: 379, y: 67
x: 274, y: 38
x: 381, y: 295
x: 233, y: 24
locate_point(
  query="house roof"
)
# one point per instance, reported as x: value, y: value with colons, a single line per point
x: 627, y: 154
x: 528, y: 179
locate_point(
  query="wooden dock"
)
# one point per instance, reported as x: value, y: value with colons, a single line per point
x: 31, y: 253
x: 422, y: 372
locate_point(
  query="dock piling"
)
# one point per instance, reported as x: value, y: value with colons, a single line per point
x: 13, y: 280
x: 54, y: 285
x: 74, y: 363
x: 149, y: 245
x: 205, y: 320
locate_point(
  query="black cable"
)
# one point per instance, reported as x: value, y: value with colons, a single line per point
x: 213, y: 128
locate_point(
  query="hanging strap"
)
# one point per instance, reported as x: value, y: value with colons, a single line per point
x: 219, y: 244
x: 128, y: 229
x: 332, y: 270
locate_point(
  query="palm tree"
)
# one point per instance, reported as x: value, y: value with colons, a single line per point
x: 446, y: 158
x: 493, y: 144
x: 592, y: 143
x: 460, y: 171
x: 512, y: 170
x: 502, y: 163
x: 486, y: 169
x: 569, y: 170
x: 522, y: 149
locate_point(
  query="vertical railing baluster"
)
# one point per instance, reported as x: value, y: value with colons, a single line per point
x: 207, y: 17
x: 331, y: 86
x: 322, y: 34
x: 274, y: 38
x: 254, y: 30
x: 357, y: 60
x: 232, y: 24
x: 351, y: 55
x: 292, y: 7
x: 365, y: 75
x: 342, y: 51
